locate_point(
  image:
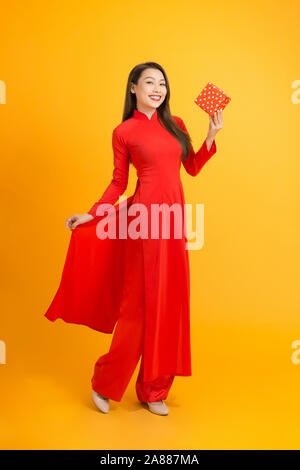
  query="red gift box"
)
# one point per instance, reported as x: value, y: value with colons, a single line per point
x: 211, y: 99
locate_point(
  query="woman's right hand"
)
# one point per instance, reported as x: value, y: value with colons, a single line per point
x: 77, y: 219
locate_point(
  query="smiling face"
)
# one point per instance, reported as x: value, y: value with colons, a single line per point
x: 150, y: 90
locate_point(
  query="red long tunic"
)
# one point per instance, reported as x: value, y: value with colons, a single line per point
x: 96, y: 270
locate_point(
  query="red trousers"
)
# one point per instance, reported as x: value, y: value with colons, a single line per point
x: 113, y: 371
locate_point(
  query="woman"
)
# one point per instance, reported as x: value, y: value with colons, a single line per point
x: 138, y: 281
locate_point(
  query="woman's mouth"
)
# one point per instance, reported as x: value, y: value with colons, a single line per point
x: 155, y: 97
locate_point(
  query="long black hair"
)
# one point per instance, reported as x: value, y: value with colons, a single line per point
x: 163, y: 111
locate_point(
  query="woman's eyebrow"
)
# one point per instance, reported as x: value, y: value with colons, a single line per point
x: 154, y: 78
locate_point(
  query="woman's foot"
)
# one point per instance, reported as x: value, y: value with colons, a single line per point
x: 158, y: 407
x: 101, y: 402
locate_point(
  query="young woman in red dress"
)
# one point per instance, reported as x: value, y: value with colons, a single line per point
x: 139, y: 284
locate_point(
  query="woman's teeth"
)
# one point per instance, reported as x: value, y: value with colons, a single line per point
x: 155, y: 98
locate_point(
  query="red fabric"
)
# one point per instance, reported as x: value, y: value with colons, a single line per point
x: 113, y: 370
x: 95, y: 272
x: 211, y: 99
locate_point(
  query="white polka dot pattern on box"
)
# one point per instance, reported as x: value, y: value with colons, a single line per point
x: 212, y: 98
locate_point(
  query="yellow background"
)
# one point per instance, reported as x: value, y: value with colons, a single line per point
x: 65, y: 65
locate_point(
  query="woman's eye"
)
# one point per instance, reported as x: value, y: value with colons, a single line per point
x: 163, y: 84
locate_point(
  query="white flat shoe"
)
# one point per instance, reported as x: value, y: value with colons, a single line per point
x: 158, y: 407
x: 101, y: 402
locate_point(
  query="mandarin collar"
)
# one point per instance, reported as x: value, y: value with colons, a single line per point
x: 143, y: 117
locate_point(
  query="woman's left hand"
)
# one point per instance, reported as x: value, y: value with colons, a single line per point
x: 215, y: 123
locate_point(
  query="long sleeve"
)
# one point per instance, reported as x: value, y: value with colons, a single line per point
x: 120, y: 173
x: 196, y: 160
